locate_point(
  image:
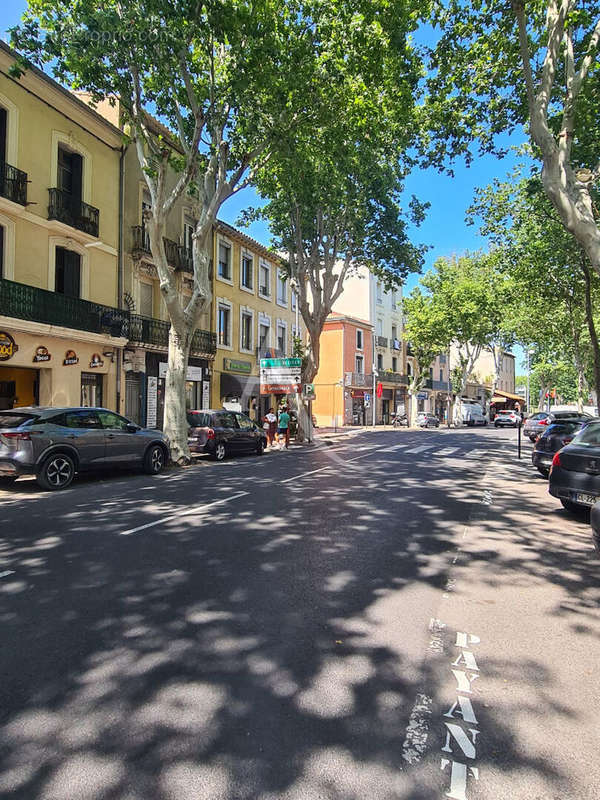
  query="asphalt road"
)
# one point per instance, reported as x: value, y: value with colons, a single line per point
x: 403, y: 615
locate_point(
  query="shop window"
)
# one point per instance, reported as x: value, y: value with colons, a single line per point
x: 67, y: 272
x: 224, y: 325
x: 91, y: 389
x: 360, y: 365
x: 224, y: 270
x: 247, y: 272
x: 246, y: 340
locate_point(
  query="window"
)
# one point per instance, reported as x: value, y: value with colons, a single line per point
x: 146, y: 300
x: 224, y: 330
x: 188, y: 232
x: 294, y: 300
x: 281, y: 337
x: 359, y: 365
x: 394, y: 364
x: 244, y: 423
x: 359, y: 340
x: 224, y: 270
x: 67, y: 272
x: 379, y: 292
x: 263, y: 335
x: 394, y: 334
x: 282, y: 289
x: 379, y: 362
x: 408, y: 369
x: 112, y: 421
x: 91, y: 389
x: 247, y: 271
x: 441, y: 375
x: 226, y: 420
x: 394, y: 300
x: 442, y: 358
x: 246, y: 331
x: 70, y: 172
x: 379, y: 327
x: 264, y: 284
x: 3, y: 133
x: 81, y: 419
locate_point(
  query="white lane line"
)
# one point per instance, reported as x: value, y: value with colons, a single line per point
x: 306, y: 474
x: 448, y: 451
x: 186, y: 513
x: 420, y: 449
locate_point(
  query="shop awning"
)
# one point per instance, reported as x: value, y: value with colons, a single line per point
x: 508, y: 396
x: 496, y: 399
x: 239, y: 385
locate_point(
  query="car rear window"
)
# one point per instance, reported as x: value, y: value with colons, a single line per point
x: 563, y: 427
x: 198, y: 420
x: 14, y: 420
x: 589, y: 435
x: 567, y: 414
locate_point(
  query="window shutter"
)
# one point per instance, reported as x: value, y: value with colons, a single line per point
x: 3, y: 136
x: 77, y: 172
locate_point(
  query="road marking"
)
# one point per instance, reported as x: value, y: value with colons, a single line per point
x: 420, y: 449
x: 306, y: 474
x: 448, y: 451
x: 6, y: 573
x: 186, y: 513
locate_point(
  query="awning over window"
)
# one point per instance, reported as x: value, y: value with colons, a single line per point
x: 508, y: 395
x: 239, y: 385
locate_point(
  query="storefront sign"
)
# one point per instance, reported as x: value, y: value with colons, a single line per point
x: 422, y: 395
x: 234, y: 365
x: 96, y: 361
x: 192, y: 374
x: 7, y: 346
x: 205, y: 394
x: 70, y: 358
x: 280, y: 375
x: 41, y: 354
x: 357, y: 393
x: 151, y: 402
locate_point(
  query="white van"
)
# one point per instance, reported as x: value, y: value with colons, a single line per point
x: 470, y: 413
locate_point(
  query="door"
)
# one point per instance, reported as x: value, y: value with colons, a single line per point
x: 91, y: 389
x: 84, y: 431
x: 248, y: 435
x: 122, y: 445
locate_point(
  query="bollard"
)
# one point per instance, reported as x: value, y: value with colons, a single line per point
x: 519, y: 438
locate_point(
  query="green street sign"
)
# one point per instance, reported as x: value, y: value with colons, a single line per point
x: 289, y: 363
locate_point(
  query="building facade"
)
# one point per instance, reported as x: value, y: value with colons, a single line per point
x: 344, y: 382
x: 61, y: 331
x: 256, y: 316
x: 364, y: 297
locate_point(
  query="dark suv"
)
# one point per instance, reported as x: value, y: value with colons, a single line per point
x: 221, y: 433
x: 55, y: 443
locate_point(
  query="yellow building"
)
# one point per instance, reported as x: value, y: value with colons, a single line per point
x: 255, y: 313
x: 61, y: 332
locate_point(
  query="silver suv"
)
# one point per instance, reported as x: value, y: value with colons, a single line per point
x: 55, y: 443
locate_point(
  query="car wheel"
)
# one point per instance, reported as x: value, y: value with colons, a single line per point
x: 596, y: 537
x: 260, y: 447
x: 532, y: 438
x: 154, y: 460
x: 543, y: 471
x: 568, y: 505
x: 57, y: 472
x: 219, y: 452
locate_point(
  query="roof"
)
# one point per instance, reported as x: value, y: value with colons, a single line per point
x: 225, y: 227
x: 347, y: 318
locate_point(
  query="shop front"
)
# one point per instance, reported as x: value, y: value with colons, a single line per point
x: 359, y: 413
x: 240, y: 390
x: 45, y: 369
x: 197, y: 387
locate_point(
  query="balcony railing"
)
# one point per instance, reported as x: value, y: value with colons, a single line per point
x: 148, y: 330
x: 382, y: 341
x: 362, y: 379
x: 38, y: 305
x: 13, y: 183
x: 439, y: 386
x: 178, y: 256
x: 74, y: 212
x: 393, y: 377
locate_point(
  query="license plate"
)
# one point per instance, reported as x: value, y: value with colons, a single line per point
x: 586, y: 499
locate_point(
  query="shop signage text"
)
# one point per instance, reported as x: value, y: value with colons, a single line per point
x: 96, y: 361
x: 70, y: 358
x: 234, y: 365
x: 41, y: 354
x: 7, y: 346
x: 192, y: 374
x: 152, y: 402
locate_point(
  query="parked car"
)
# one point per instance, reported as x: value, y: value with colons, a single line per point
x: 575, y: 471
x: 507, y: 419
x: 56, y: 443
x: 427, y: 420
x: 221, y: 433
x: 538, y: 422
x: 595, y: 522
x: 556, y: 435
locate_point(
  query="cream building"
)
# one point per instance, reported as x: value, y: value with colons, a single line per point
x: 61, y: 331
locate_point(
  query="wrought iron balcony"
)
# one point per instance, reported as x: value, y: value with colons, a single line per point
x: 13, y: 183
x: 178, y: 256
x: 382, y: 341
x: 148, y: 330
x: 74, y: 212
x: 362, y: 379
x: 38, y: 305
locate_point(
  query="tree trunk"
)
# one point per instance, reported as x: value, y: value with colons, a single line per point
x: 175, y: 422
x: 310, y: 367
x: 589, y: 316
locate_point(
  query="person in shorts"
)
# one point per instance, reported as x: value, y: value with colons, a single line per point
x: 270, y: 426
x: 283, y: 428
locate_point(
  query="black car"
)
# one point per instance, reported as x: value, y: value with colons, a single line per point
x: 575, y: 470
x: 556, y: 436
x: 222, y: 433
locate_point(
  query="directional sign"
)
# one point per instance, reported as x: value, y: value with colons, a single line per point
x: 280, y: 375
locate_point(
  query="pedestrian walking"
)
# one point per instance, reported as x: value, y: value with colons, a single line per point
x: 270, y: 426
x: 283, y: 428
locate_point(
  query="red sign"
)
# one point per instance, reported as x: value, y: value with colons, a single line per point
x: 379, y: 389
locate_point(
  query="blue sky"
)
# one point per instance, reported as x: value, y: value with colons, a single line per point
x: 444, y: 228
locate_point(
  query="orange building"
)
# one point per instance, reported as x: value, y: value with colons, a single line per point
x: 344, y: 382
